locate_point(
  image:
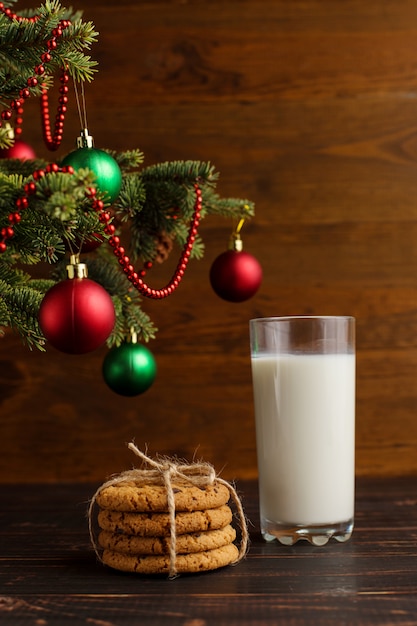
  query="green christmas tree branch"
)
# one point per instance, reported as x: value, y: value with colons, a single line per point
x: 22, y: 44
x: 154, y: 207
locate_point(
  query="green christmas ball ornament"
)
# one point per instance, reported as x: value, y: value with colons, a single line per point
x: 106, y: 169
x: 129, y: 369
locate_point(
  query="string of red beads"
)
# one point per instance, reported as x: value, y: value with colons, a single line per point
x: 136, y: 278
x: 52, y: 140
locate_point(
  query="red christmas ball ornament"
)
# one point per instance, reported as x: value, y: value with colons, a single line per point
x: 235, y: 275
x: 77, y: 314
x: 89, y: 245
x: 19, y: 150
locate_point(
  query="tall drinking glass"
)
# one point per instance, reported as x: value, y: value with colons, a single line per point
x: 303, y: 372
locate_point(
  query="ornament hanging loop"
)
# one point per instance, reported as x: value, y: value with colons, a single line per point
x: 236, y: 242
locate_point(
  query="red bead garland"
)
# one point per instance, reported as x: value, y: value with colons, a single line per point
x: 136, y: 278
x: 52, y: 140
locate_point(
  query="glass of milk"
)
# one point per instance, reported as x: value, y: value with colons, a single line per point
x: 303, y: 372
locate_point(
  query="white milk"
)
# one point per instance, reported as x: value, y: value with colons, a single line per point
x: 305, y: 429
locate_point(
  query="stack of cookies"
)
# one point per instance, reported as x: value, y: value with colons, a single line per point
x: 135, y: 527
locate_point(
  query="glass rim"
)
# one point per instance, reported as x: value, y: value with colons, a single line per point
x: 288, y: 318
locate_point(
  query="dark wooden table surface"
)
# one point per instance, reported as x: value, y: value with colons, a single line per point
x: 49, y: 574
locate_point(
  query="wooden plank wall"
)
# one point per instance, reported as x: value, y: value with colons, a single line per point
x: 309, y: 108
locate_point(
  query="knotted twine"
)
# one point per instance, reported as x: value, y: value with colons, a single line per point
x: 164, y: 472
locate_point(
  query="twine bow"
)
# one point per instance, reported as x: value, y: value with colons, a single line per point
x: 164, y: 472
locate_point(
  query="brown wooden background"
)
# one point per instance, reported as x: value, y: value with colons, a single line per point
x: 307, y: 108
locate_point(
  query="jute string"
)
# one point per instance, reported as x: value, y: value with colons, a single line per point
x: 165, y: 472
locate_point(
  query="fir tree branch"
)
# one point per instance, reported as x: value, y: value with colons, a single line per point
x: 181, y: 172
x: 155, y: 203
x: 22, y: 44
x: 129, y: 313
x: 19, y: 310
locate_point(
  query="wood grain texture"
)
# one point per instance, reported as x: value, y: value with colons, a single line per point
x: 307, y: 108
x: 49, y: 574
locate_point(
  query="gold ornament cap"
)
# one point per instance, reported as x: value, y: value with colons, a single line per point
x: 85, y: 140
x: 236, y: 244
x: 75, y: 269
x: 10, y: 130
x: 133, y: 335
